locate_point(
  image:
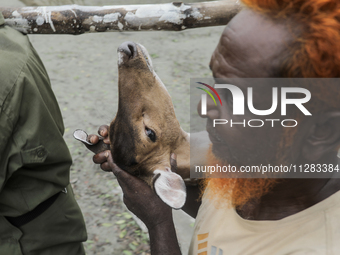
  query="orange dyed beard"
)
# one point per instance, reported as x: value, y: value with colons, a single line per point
x: 234, y: 191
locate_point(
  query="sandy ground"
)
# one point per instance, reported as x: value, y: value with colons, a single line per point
x: 83, y: 73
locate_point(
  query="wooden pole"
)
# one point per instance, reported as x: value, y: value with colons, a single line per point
x: 75, y: 19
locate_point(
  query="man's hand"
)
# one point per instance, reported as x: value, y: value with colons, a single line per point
x: 146, y: 205
x: 140, y: 198
x: 101, y: 157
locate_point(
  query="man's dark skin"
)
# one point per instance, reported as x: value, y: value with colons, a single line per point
x: 251, y: 46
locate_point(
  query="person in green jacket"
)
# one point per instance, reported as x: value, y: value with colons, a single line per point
x: 38, y: 212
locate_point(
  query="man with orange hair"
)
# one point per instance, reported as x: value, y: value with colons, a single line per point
x: 273, y: 38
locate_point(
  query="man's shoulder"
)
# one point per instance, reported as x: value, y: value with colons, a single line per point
x: 15, y: 50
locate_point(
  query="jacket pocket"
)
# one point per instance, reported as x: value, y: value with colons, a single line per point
x: 35, y: 155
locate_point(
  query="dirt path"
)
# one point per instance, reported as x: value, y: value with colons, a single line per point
x: 83, y: 72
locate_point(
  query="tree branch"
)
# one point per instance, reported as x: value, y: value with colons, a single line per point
x: 75, y: 19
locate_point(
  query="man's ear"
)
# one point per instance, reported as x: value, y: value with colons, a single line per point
x: 323, y: 137
x: 170, y: 187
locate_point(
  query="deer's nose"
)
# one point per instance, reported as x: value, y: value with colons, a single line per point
x: 129, y: 48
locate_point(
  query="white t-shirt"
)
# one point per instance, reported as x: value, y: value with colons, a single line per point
x: 315, y: 230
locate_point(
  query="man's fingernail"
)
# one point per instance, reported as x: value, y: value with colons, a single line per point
x: 173, y: 156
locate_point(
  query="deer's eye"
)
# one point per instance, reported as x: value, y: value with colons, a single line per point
x: 150, y: 134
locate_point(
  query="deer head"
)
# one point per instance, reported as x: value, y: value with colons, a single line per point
x: 145, y: 130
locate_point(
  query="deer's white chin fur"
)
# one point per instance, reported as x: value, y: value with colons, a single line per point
x: 170, y: 187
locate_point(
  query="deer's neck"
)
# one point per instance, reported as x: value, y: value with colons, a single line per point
x: 182, y: 151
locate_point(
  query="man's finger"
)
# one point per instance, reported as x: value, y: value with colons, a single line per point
x: 103, y: 130
x: 107, y: 140
x: 124, y: 178
x: 92, y: 139
x: 105, y: 167
x: 115, y: 169
x: 101, y: 157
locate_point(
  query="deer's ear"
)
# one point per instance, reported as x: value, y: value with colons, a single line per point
x: 170, y: 188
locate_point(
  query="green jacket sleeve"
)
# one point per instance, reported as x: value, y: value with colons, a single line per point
x: 35, y: 160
